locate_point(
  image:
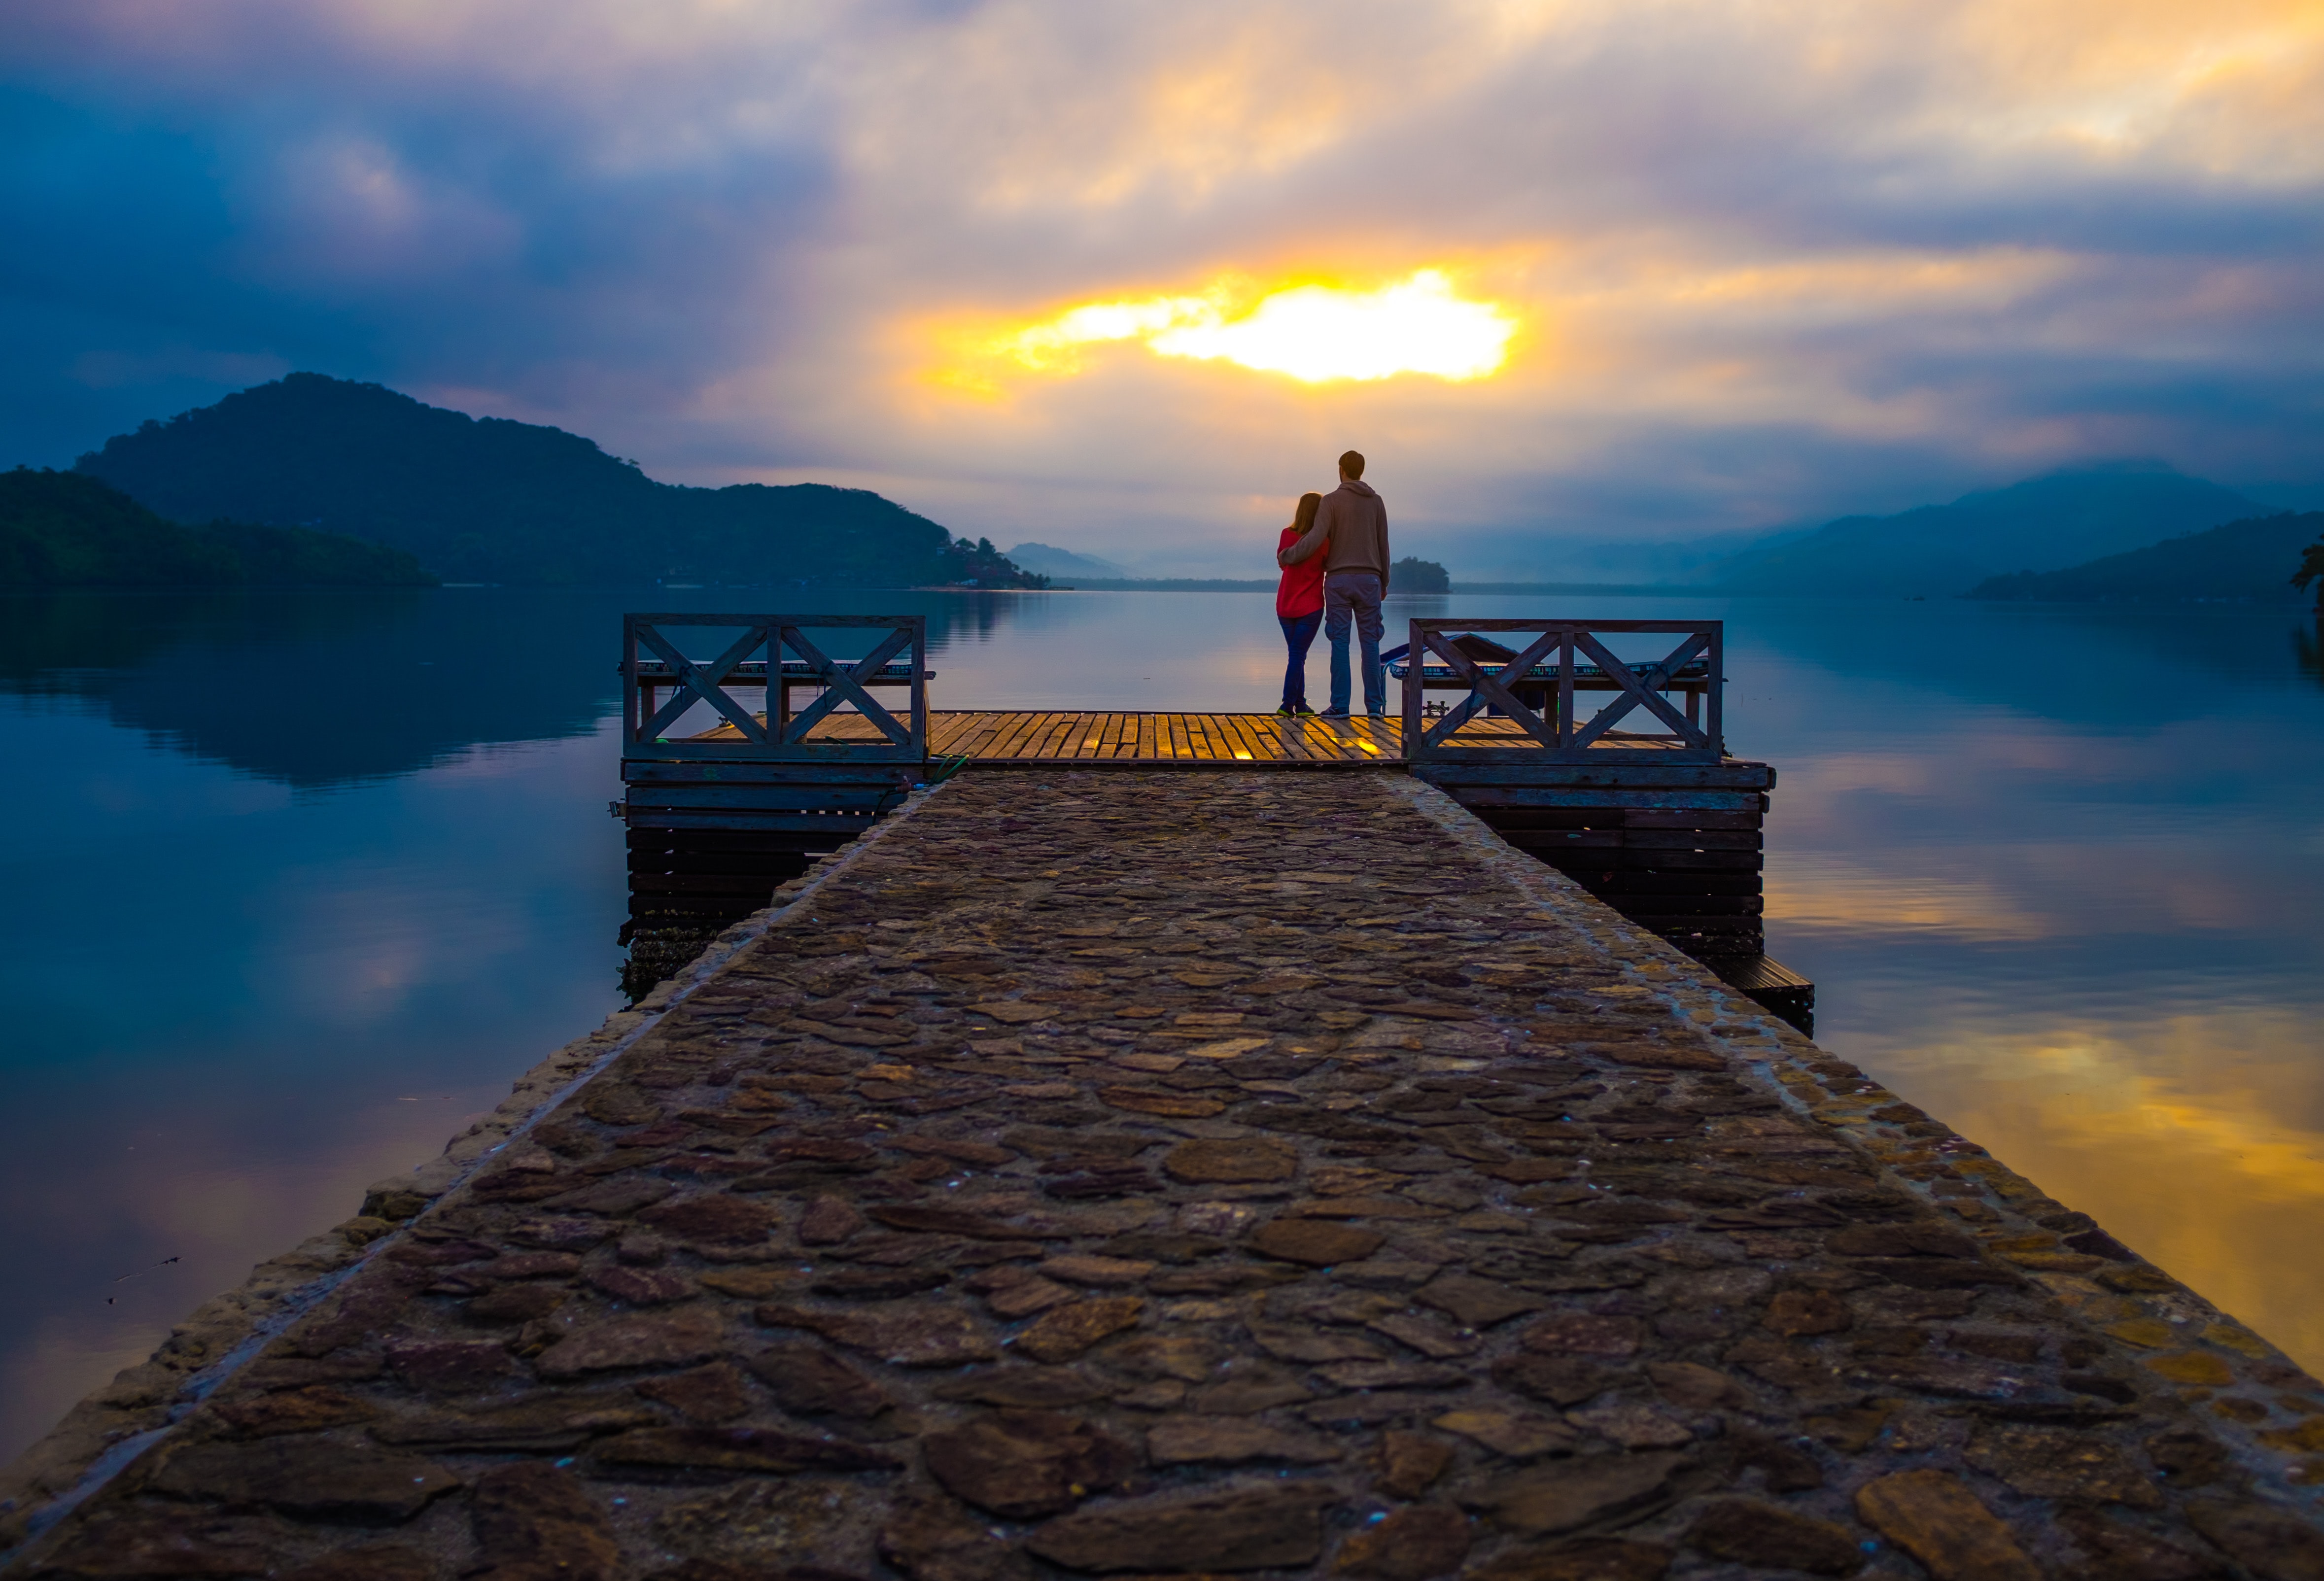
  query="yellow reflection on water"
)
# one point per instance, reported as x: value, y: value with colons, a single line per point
x: 1832, y: 892
x: 2196, y: 1138
x: 1313, y: 331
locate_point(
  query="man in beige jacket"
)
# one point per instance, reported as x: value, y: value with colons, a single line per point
x: 1353, y: 523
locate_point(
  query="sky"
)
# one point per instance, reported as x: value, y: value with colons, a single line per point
x: 1127, y: 278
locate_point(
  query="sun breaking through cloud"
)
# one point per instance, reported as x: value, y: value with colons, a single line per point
x: 1311, y: 332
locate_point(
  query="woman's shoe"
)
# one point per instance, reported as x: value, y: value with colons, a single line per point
x: 1333, y: 713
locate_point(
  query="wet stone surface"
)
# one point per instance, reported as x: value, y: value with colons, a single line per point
x: 1186, y: 1174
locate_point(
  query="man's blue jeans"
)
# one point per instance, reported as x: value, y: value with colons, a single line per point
x: 1354, y: 595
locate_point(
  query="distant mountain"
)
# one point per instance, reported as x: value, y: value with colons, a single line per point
x: 1048, y: 560
x: 61, y: 529
x: 2244, y: 560
x: 487, y: 500
x: 1940, y: 550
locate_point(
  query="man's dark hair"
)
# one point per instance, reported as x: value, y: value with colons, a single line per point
x: 1352, y: 463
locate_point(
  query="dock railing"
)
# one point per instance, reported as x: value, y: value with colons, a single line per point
x: 775, y: 656
x: 1535, y: 689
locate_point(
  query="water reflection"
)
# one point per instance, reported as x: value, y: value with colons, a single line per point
x: 322, y: 689
x: 2073, y: 903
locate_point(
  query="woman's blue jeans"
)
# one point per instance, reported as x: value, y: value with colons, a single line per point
x: 1299, y: 634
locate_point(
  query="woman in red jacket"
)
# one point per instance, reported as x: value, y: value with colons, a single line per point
x: 1299, y: 605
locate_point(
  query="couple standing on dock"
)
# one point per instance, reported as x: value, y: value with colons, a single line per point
x: 1335, y: 565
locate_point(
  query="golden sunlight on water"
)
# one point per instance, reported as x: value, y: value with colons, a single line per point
x: 2193, y: 1137
x: 1833, y: 892
x: 1312, y: 331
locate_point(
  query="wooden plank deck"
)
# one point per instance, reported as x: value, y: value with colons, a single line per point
x: 1025, y: 736
x: 1021, y: 736
x: 1008, y: 737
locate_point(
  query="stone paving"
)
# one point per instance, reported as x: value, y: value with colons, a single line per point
x: 1194, y: 1174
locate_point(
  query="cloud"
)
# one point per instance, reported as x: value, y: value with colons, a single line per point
x: 1763, y: 263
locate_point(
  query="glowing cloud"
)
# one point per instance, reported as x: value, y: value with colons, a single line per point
x: 1313, y: 333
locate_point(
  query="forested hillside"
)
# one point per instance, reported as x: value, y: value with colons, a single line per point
x: 488, y: 500
x: 61, y: 529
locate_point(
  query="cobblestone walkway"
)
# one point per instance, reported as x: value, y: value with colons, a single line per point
x: 1201, y: 1173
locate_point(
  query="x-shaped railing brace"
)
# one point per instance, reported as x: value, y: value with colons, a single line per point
x: 704, y: 682
x: 1487, y: 688
x: 1637, y: 690
x: 841, y: 685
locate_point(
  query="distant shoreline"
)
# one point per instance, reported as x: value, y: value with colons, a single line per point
x: 1234, y: 585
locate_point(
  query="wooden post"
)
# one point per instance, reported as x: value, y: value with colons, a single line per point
x: 1414, y: 693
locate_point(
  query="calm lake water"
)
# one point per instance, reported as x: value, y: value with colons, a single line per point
x: 295, y: 885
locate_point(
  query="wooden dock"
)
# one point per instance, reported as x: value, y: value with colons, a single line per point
x: 1662, y: 826
x: 999, y: 738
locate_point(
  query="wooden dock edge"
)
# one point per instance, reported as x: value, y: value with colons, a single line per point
x: 111, y: 1426
x: 1774, y: 987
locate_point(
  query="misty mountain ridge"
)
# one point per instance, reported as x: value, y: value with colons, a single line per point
x: 2043, y: 524
x: 2248, y: 561
x: 1048, y: 560
x: 490, y: 499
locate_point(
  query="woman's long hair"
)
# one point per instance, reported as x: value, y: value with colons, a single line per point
x: 1304, y: 517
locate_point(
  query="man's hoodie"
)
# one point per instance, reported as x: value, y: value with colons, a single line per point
x: 1354, y: 521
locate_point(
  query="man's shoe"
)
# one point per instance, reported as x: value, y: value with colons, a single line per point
x: 1303, y: 711
x: 1333, y: 713
x: 1286, y: 710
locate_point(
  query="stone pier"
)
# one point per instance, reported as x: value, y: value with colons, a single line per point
x: 1105, y: 1173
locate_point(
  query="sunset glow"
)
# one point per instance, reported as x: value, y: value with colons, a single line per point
x: 1311, y: 332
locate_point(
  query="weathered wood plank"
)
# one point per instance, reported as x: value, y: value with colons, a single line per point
x: 795, y: 798
x: 635, y: 771
x: 1666, y: 861
x: 1626, y: 881
x: 1709, y: 801
x: 841, y: 823
x: 743, y: 751
x: 1629, y: 839
x: 1016, y: 736
x: 1250, y: 738
x: 1730, y: 774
